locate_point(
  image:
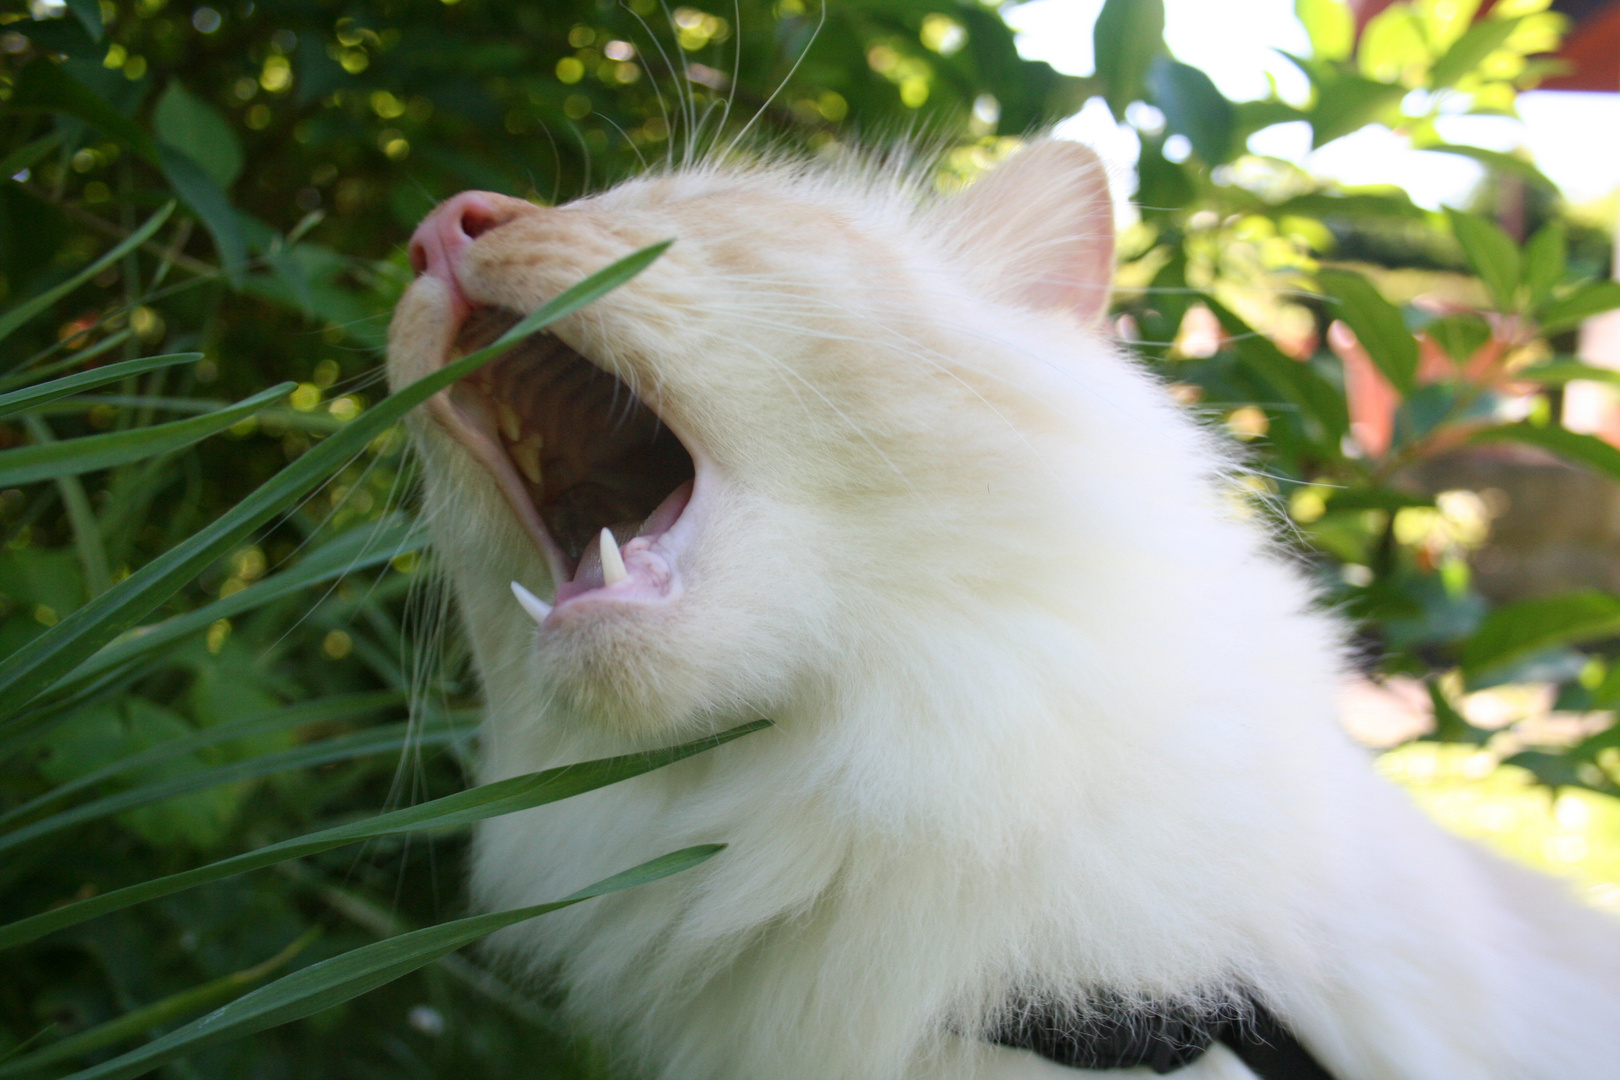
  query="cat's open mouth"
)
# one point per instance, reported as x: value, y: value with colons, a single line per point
x: 585, y: 463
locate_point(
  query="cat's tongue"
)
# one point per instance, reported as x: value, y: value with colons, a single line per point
x: 647, y: 573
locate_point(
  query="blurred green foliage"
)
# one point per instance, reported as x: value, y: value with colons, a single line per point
x: 231, y: 186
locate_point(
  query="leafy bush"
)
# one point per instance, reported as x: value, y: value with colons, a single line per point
x: 208, y: 552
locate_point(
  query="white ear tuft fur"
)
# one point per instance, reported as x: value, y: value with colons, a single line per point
x: 1041, y: 226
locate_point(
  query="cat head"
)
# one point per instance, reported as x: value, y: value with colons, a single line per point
x: 794, y: 423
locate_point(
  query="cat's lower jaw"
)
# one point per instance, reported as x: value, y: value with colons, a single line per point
x: 649, y: 565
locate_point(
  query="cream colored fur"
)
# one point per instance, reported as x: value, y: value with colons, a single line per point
x: 1051, y: 718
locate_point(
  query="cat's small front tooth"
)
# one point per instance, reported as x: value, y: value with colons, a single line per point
x: 613, y: 570
x: 527, y: 456
x: 536, y: 608
x: 511, y: 423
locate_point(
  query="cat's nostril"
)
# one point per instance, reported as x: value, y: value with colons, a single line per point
x: 419, y: 257
x: 477, y: 217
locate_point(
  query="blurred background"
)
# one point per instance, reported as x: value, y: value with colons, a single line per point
x: 1371, y: 241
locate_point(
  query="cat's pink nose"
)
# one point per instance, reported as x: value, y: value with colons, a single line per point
x: 444, y: 234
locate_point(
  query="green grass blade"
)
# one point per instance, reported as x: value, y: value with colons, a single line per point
x: 452, y: 811
x: 29, y: 154
x: 87, y: 539
x: 15, y: 317
x: 332, y: 982
x: 388, y: 739
x: 355, y: 550
x: 70, y: 457
x: 56, y: 652
x: 18, y: 400
x: 25, y: 373
x: 321, y: 710
x: 159, y: 1013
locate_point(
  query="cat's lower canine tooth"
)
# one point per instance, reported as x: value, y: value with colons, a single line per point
x: 511, y: 425
x: 613, y: 570
x: 536, y: 608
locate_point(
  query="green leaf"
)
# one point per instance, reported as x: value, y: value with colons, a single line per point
x: 1492, y: 159
x: 1593, y: 298
x: 1582, y: 449
x: 198, y: 130
x: 356, y: 550
x: 88, y: 12
x: 1545, y: 258
x: 1468, y: 51
x: 1460, y: 335
x: 1377, y: 323
x: 55, y: 653
x: 1164, y: 186
x: 1449, y: 724
x: 30, y: 154
x: 1348, y: 103
x: 332, y: 982
x: 1559, y: 372
x: 1492, y: 254
x: 160, y: 1013
x: 208, y: 200
x: 1331, y: 26
x: 388, y: 739
x: 16, y: 316
x: 39, y: 394
x: 1517, y: 629
x: 1393, y: 47
x: 1193, y: 107
x: 1127, y: 36
x: 44, y: 461
x: 60, y: 36
x: 44, y: 85
x: 327, y: 709
x: 452, y: 811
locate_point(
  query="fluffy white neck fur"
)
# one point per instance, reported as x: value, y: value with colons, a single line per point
x: 1052, y: 719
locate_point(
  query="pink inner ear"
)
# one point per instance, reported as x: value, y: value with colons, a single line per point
x: 1044, y: 223
x: 1082, y: 279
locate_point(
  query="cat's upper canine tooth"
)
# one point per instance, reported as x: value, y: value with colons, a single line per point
x: 613, y: 570
x: 511, y: 424
x: 527, y: 456
x: 536, y: 608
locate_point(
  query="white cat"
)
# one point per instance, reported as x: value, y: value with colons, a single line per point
x: 1055, y: 728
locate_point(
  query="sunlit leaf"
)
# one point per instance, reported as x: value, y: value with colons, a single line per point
x: 1593, y: 298
x: 1296, y: 382
x: 1518, y: 629
x: 1544, y: 261
x: 1128, y: 34
x: 1377, y: 323
x: 1492, y: 254
x: 1581, y: 449
x: 1331, y: 26
x: 1348, y: 103
x: 1468, y: 51
x: 1193, y: 107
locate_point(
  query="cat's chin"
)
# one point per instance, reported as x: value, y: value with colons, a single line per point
x: 606, y: 491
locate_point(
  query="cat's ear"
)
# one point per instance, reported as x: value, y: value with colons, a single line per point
x: 1042, y: 226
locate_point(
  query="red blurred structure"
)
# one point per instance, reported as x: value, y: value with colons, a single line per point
x: 1592, y: 47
